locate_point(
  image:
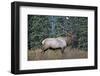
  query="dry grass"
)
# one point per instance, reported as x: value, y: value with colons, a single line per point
x: 56, y: 54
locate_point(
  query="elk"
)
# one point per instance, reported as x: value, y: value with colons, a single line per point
x: 59, y: 42
x: 54, y: 43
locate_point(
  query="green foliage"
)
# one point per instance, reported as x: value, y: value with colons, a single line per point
x: 41, y: 27
x: 38, y: 29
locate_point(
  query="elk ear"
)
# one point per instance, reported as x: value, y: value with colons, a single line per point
x: 69, y: 34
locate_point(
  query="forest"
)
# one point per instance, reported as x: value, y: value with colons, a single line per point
x: 45, y: 26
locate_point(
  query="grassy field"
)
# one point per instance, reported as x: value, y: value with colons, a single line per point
x: 69, y: 53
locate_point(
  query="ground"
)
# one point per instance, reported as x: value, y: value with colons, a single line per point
x: 69, y: 53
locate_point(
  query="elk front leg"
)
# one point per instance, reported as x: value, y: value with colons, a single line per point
x: 62, y: 50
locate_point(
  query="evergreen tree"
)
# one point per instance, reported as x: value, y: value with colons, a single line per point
x: 41, y: 27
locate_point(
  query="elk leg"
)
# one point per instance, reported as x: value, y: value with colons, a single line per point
x: 43, y: 50
x: 62, y: 50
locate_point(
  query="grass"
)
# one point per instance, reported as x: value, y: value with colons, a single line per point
x: 69, y: 53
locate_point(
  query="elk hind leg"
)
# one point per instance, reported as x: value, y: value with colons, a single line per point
x: 43, y: 50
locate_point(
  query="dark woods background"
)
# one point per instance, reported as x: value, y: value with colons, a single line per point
x: 41, y: 27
